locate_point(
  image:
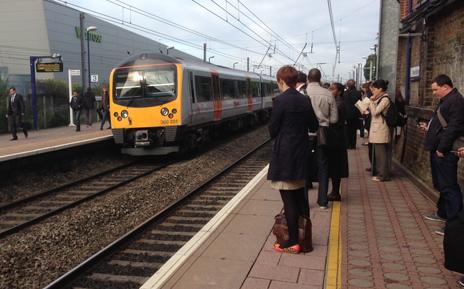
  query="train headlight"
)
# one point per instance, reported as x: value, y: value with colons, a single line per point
x: 164, y: 111
x: 174, y: 111
x: 170, y: 115
x: 124, y: 114
x: 115, y: 114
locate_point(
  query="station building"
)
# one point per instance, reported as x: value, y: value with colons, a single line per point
x: 44, y: 27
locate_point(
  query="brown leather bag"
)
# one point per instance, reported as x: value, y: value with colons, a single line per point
x: 280, y: 230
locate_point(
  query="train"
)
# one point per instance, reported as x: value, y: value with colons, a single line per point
x: 161, y: 104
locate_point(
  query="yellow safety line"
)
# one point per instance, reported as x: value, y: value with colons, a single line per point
x: 333, y: 276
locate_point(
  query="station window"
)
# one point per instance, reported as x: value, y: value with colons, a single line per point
x: 242, y: 89
x: 203, y: 88
x: 227, y: 88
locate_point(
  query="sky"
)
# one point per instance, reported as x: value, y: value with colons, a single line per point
x: 271, y: 33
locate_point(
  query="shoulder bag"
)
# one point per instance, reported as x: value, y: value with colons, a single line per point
x: 459, y: 142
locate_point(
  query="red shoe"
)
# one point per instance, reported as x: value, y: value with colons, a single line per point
x: 295, y: 249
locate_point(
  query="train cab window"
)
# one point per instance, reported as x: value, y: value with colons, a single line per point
x: 203, y: 88
x: 266, y: 89
x: 144, y: 87
x: 242, y: 89
x: 254, y: 89
x: 227, y: 88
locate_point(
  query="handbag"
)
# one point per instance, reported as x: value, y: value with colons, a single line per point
x: 322, y: 136
x: 459, y: 142
x: 280, y: 230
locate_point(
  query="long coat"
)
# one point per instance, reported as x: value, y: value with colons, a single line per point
x: 337, y: 154
x: 291, y: 119
x: 379, y: 132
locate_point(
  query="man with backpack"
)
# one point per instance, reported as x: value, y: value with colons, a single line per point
x: 76, y: 106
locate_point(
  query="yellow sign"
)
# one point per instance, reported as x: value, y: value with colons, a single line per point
x: 49, y: 67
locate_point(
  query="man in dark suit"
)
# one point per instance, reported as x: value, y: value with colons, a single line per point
x: 16, y: 109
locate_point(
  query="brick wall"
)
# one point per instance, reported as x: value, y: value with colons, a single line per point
x: 441, y: 51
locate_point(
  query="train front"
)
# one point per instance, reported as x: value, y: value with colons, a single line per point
x: 146, y: 104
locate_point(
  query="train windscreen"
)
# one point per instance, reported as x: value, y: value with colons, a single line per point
x: 144, y: 87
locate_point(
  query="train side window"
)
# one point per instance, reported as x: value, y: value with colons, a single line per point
x: 242, y: 89
x: 203, y: 87
x: 227, y: 88
x: 192, y: 88
x: 274, y: 88
x: 254, y: 89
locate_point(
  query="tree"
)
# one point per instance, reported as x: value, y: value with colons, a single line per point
x: 371, y: 60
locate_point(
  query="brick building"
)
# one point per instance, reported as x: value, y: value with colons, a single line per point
x: 431, y: 42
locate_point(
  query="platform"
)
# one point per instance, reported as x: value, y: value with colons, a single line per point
x: 376, y: 237
x: 49, y: 140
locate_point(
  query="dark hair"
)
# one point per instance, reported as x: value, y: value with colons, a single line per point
x: 339, y: 87
x: 288, y: 74
x: 366, y: 84
x: 351, y: 83
x: 326, y: 85
x: 314, y: 75
x: 443, y: 79
x: 14, y: 88
x: 380, y: 83
x: 301, y: 76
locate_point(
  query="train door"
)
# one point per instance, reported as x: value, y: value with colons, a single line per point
x: 216, y: 97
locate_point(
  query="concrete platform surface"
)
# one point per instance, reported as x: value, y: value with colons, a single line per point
x: 46, y: 140
x: 376, y: 237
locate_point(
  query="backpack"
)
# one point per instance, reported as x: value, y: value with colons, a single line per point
x: 74, y: 104
x: 391, y: 117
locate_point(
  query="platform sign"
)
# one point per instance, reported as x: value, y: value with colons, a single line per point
x: 94, y: 78
x: 75, y: 72
x: 49, y: 67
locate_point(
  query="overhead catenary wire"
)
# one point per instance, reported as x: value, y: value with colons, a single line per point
x: 238, y: 28
x: 136, y: 27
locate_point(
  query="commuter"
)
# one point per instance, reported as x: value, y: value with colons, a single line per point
x: 15, y: 113
x: 301, y: 83
x: 326, y: 85
x: 454, y: 238
x: 76, y: 105
x: 326, y: 111
x: 379, y: 133
x: 366, y: 92
x: 338, y: 156
x: 439, y: 141
x: 402, y: 119
x: 460, y: 152
x: 291, y: 119
x: 105, y: 109
x: 351, y: 96
x: 88, y: 104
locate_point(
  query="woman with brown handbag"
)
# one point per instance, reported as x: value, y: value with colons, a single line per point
x: 292, y: 117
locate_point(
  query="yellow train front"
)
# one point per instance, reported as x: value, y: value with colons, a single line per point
x: 160, y: 104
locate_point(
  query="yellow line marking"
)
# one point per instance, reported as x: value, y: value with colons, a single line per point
x: 333, y: 276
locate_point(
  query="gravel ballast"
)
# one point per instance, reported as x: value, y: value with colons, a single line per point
x: 35, y: 257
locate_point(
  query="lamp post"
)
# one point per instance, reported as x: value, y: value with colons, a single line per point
x: 169, y: 48
x: 209, y: 58
x: 87, y: 31
x: 234, y: 64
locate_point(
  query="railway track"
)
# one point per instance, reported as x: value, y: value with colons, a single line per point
x: 25, y: 212
x: 129, y: 261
